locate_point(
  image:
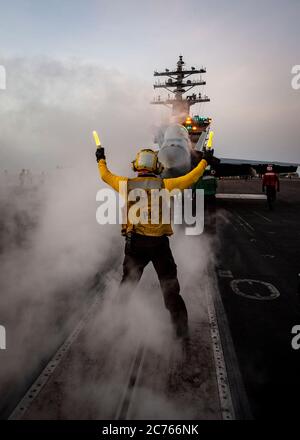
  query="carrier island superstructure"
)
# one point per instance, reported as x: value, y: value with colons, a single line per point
x: 178, y: 83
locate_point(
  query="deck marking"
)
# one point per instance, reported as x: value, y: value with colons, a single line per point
x: 239, y: 398
x: 273, y: 292
x: 45, y: 375
x: 263, y: 217
x: 225, y: 274
x: 245, y: 222
x: 242, y: 223
x: 133, y: 376
x: 2, y: 337
x: 227, y: 409
x: 137, y: 381
x: 241, y: 196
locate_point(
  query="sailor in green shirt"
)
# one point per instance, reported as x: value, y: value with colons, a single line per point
x: 209, y: 184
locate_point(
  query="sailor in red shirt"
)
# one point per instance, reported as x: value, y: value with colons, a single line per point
x: 271, y: 183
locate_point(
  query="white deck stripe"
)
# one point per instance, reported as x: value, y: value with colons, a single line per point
x: 242, y: 196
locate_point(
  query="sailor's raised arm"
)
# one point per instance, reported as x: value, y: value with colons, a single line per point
x: 108, y: 177
x: 188, y: 179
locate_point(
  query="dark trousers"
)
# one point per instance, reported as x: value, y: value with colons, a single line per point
x: 139, y: 251
x: 271, y: 192
x: 271, y: 195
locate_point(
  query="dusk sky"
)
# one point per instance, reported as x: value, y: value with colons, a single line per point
x: 80, y: 61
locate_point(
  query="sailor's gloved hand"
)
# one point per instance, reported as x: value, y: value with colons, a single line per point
x: 100, y: 154
x: 208, y: 155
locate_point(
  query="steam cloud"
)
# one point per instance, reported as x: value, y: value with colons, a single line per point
x: 50, y: 244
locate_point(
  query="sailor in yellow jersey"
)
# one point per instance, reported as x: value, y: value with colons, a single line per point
x: 149, y: 242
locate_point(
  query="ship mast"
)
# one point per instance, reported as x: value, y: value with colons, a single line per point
x: 178, y: 84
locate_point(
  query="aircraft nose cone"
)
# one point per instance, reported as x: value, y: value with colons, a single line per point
x: 175, y: 151
x: 175, y: 159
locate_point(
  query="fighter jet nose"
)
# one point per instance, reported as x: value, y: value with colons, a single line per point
x: 175, y: 159
x: 175, y: 151
x: 172, y: 172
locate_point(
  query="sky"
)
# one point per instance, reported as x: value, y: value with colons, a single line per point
x: 76, y: 65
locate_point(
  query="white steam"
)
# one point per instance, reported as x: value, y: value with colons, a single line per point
x: 50, y: 244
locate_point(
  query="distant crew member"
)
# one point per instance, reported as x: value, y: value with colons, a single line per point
x: 29, y: 178
x: 270, y: 184
x: 22, y: 177
x: 150, y: 242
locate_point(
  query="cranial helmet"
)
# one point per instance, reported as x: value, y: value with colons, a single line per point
x: 146, y: 160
